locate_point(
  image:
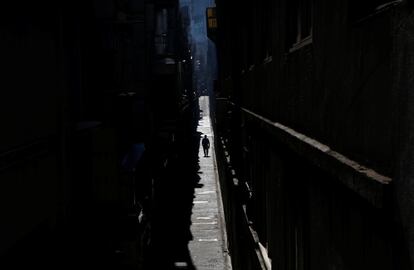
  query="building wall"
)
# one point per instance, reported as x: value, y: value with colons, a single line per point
x: 328, y: 88
x: 329, y: 77
x: 60, y: 87
x: 79, y: 91
x: 31, y: 111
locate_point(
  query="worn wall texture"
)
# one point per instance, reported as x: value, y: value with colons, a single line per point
x: 335, y: 75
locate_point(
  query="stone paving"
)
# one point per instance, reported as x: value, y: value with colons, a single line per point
x: 208, y: 248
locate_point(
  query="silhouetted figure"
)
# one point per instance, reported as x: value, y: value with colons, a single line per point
x: 206, y: 145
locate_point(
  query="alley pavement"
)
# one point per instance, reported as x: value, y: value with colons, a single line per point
x: 188, y: 228
x: 208, y: 248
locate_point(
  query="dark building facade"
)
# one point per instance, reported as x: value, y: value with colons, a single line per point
x: 95, y: 93
x: 313, y: 120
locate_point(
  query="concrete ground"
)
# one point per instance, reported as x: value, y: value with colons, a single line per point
x: 208, y: 248
x: 187, y: 223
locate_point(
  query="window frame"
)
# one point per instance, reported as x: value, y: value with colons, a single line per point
x: 302, y: 26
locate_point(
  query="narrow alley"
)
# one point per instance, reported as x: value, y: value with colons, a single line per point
x: 188, y: 229
x: 209, y: 245
x: 207, y: 135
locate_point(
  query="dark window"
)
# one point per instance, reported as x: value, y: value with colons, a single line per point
x: 299, y: 21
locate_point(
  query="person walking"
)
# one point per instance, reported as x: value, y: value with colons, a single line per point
x: 206, y: 145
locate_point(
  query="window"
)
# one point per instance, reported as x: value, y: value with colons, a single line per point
x: 211, y: 18
x: 211, y: 23
x: 299, y: 22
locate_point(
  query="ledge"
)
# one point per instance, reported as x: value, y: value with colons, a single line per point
x: 301, y: 44
x: 363, y: 180
x: 378, y: 11
x: 241, y: 217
